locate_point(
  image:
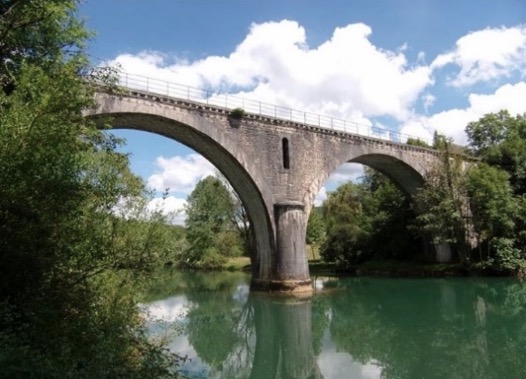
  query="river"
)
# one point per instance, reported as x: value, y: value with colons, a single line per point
x: 350, y: 328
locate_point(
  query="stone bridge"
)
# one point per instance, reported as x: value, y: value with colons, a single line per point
x: 276, y: 166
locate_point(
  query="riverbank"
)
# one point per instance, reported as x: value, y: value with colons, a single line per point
x: 391, y: 269
x: 380, y: 268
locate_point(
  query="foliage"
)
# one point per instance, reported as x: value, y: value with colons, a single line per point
x: 347, y: 225
x: 484, y: 200
x: 500, y: 140
x: 315, y: 227
x: 491, y: 203
x: 66, y: 306
x: 440, y: 204
x: 237, y: 113
x: 507, y: 257
x: 417, y: 142
x: 210, y: 212
x: 391, y: 215
x: 367, y: 220
x: 497, y: 188
x: 240, y: 219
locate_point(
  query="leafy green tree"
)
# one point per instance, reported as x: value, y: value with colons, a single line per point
x: 498, y: 199
x: 347, y: 225
x: 492, y: 204
x: 368, y: 220
x: 441, y: 204
x: 391, y: 214
x: 240, y: 219
x: 315, y: 228
x: 66, y: 307
x: 500, y: 140
x: 210, y: 211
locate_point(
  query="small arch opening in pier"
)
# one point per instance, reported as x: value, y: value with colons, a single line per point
x: 285, y: 150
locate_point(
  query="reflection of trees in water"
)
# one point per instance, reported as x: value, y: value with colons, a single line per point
x: 445, y: 328
x: 220, y: 324
x: 410, y: 328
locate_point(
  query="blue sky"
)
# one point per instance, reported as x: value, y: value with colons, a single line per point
x: 412, y: 66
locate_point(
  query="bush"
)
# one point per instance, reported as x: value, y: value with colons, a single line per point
x: 507, y: 257
x: 237, y: 113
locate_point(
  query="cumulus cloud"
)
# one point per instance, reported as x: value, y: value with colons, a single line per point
x: 452, y: 122
x: 180, y: 174
x: 346, y: 172
x: 486, y: 55
x: 170, y: 206
x: 346, y: 76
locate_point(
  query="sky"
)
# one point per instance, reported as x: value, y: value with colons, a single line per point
x: 411, y: 66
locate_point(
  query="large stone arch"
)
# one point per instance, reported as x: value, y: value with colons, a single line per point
x: 210, y: 140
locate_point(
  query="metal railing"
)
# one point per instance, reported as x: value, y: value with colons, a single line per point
x: 174, y: 90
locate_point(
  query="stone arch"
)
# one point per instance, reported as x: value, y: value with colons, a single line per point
x: 205, y: 138
x: 402, y: 174
x: 406, y: 169
x: 399, y: 170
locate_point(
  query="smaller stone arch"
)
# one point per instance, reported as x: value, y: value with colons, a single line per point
x: 406, y: 167
x: 405, y: 170
x: 407, y: 178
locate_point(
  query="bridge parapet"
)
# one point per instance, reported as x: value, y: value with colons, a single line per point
x: 223, y: 111
x: 170, y: 90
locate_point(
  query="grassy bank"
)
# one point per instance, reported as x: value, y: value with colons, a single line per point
x: 371, y: 268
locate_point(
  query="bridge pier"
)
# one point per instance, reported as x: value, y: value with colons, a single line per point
x: 290, y: 271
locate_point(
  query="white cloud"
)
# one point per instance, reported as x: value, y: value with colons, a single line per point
x: 486, y: 55
x: 453, y: 122
x: 346, y: 172
x: 180, y: 174
x: 321, y: 197
x: 346, y: 77
x: 170, y: 206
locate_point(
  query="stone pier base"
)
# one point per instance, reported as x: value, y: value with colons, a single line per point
x: 290, y: 271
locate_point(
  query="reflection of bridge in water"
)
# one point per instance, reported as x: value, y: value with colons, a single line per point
x: 275, y: 158
x: 284, y: 340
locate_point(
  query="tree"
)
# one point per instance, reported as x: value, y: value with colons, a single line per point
x: 240, y: 219
x: 498, y: 199
x: 210, y: 211
x: 500, y: 140
x: 66, y: 306
x: 492, y: 204
x: 347, y: 225
x: 315, y: 227
x: 441, y: 204
x: 391, y: 214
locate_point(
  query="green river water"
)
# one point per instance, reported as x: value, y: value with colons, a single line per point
x: 350, y: 328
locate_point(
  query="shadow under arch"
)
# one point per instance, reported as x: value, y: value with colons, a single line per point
x: 222, y: 159
x: 403, y: 171
x: 402, y: 174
